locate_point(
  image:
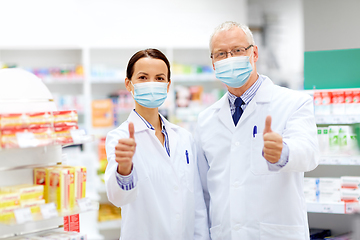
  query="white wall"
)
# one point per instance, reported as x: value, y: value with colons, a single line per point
x: 331, y: 24
x: 281, y: 43
x: 136, y: 23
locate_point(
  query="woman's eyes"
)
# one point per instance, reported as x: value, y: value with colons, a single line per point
x: 160, y: 79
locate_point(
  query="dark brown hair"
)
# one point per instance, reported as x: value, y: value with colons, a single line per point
x: 151, y: 53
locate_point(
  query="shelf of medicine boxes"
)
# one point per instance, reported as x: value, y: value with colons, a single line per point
x: 17, y: 168
x: 333, y: 207
x: 333, y: 120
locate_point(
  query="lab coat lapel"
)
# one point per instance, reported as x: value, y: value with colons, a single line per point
x: 224, y: 113
x: 173, y: 136
x: 173, y: 141
x: 263, y: 95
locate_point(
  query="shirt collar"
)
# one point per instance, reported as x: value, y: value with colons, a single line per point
x: 249, y: 94
x: 141, y: 123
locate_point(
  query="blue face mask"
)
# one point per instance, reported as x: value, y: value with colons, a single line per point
x: 150, y: 94
x: 233, y: 71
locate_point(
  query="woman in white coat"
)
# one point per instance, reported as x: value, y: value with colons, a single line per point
x: 152, y: 170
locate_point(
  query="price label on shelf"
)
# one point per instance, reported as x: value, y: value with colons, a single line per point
x: 355, y: 161
x: 327, y: 208
x: 85, y: 204
x: 48, y: 210
x: 325, y: 160
x: 336, y: 161
x: 26, y: 139
x: 77, y: 135
x: 23, y: 215
x: 351, y: 207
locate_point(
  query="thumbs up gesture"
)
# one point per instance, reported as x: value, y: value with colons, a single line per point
x: 273, y: 143
x: 124, y: 152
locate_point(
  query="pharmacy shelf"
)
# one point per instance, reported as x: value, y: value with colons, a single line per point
x: 340, y: 160
x: 54, y: 81
x: 107, y: 225
x: 39, y: 223
x: 337, y: 119
x: 332, y: 207
x: 30, y: 227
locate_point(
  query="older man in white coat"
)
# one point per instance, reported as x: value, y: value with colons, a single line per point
x: 254, y: 146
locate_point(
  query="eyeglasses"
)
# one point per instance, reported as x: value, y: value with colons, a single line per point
x: 237, y: 52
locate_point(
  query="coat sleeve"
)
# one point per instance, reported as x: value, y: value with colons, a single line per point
x: 300, y: 135
x: 203, y: 168
x: 116, y: 195
x: 201, y: 228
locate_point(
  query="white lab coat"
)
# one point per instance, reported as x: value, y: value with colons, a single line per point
x: 167, y: 202
x: 245, y: 200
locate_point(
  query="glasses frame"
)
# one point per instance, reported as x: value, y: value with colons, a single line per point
x: 231, y: 52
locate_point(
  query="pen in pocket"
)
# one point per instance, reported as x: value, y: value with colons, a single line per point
x: 187, y: 156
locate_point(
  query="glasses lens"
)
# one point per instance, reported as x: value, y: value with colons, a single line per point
x: 220, y: 55
x: 239, y: 51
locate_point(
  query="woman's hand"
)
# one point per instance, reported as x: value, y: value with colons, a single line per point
x: 124, y: 152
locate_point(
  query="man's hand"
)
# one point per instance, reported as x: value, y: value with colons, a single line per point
x: 273, y: 143
x: 124, y: 152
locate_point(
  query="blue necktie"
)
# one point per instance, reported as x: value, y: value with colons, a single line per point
x: 238, y: 110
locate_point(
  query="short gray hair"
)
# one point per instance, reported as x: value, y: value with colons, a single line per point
x: 229, y: 25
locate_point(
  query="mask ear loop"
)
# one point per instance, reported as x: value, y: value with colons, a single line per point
x: 133, y: 88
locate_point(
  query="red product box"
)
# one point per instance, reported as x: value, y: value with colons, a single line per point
x: 348, y: 97
x: 15, y: 138
x: 338, y: 97
x: 62, y: 135
x: 317, y: 98
x: 356, y: 96
x: 326, y: 98
x: 14, y: 121
x: 40, y: 119
x: 65, y: 118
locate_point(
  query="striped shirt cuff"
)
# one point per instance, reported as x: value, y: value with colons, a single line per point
x: 127, y: 182
x: 284, y: 159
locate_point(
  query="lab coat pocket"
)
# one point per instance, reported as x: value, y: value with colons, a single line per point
x: 281, y: 232
x: 258, y: 162
x: 215, y: 232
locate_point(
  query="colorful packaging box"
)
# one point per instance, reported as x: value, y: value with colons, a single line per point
x: 40, y: 120
x: 34, y: 205
x: 26, y: 191
x: 7, y: 214
x: 9, y: 199
x: 65, y: 118
x: 80, y: 182
x: 15, y: 138
x: 61, y: 187
x: 13, y: 121
x: 62, y: 135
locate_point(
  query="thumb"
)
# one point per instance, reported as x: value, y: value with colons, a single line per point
x: 267, y: 128
x: 131, y: 130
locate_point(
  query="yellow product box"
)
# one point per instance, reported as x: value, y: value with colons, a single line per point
x: 9, y: 199
x: 42, y: 177
x: 33, y: 205
x: 61, y: 187
x: 26, y: 191
x: 7, y: 214
x: 80, y: 182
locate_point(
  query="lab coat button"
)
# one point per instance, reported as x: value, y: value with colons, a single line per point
x: 236, y: 227
x: 176, y: 188
x: 177, y: 216
x: 236, y: 184
x: 237, y: 144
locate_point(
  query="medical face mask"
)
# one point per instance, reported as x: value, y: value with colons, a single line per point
x: 150, y: 94
x: 233, y: 71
